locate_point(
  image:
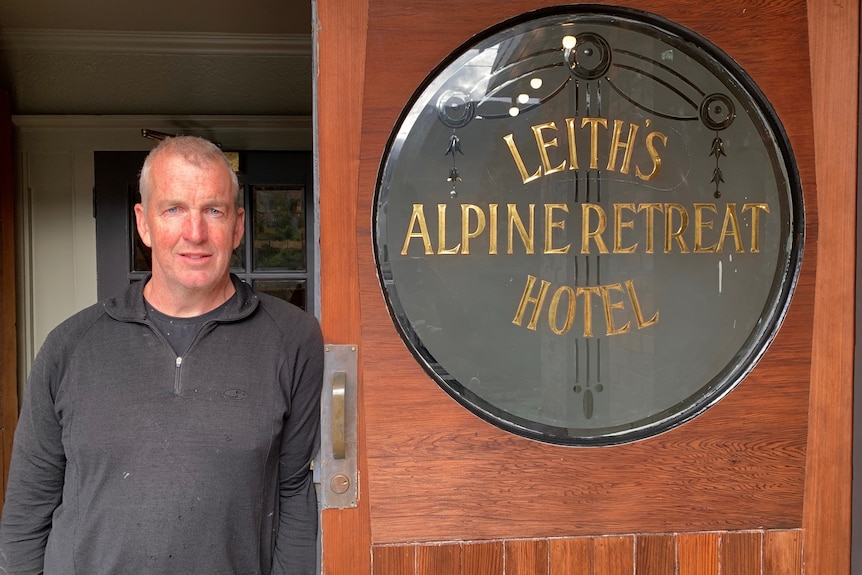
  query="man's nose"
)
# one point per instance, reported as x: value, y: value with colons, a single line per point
x: 195, y: 229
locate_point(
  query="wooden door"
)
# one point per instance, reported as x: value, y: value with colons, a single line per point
x: 755, y: 484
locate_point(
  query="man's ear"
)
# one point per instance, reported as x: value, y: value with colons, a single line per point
x: 141, y: 222
x: 240, y: 227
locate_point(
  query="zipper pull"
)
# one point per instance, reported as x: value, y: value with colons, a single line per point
x: 178, y: 386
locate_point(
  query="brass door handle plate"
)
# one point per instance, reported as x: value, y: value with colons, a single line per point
x: 336, y: 468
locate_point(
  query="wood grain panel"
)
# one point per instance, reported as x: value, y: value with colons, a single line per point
x: 393, y: 560
x: 435, y: 559
x: 782, y: 553
x: 340, y: 37
x: 656, y: 555
x: 707, y: 553
x: 740, y: 465
x: 482, y: 558
x: 739, y: 553
x: 835, y: 77
x: 8, y: 338
x: 527, y: 557
x: 697, y: 554
x: 614, y: 555
x: 571, y: 556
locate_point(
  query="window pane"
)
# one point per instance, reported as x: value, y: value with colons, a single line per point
x: 278, y: 228
x: 288, y: 290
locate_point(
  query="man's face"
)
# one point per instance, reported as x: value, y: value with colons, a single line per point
x: 192, y: 225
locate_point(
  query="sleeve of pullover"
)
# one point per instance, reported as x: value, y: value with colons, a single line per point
x: 35, y: 484
x: 296, y: 541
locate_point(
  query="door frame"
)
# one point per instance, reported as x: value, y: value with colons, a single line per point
x: 826, y: 519
x: 340, y: 29
x: 8, y: 335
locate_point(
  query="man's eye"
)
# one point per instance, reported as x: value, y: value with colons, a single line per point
x: 172, y: 210
x: 215, y: 212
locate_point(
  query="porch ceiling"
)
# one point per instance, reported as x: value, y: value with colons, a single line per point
x: 171, y: 57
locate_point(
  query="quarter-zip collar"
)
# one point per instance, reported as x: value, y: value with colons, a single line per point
x: 129, y: 306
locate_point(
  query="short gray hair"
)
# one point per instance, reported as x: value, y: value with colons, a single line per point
x: 194, y: 150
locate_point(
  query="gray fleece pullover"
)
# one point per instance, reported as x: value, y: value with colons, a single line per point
x: 128, y: 459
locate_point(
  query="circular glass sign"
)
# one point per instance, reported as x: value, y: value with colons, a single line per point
x: 588, y: 225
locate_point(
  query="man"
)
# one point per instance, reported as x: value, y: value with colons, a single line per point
x: 170, y: 430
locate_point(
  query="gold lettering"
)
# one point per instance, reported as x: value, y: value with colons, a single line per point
x: 594, y: 138
x: 441, y: 233
x: 543, y: 148
x: 519, y: 163
x: 492, y: 229
x: 619, y: 224
x: 476, y: 223
x: 570, y: 310
x: 730, y: 221
x: 609, y: 307
x: 596, y: 234
x: 669, y: 234
x: 573, y: 149
x: 755, y: 224
x: 466, y: 234
x: 536, y: 301
x: 630, y: 287
x: 550, y: 225
x: 563, y: 307
x: 654, y: 155
x: 649, y: 216
x: 516, y: 222
x: 699, y: 224
x: 588, y: 292
x: 417, y: 218
x: 627, y: 146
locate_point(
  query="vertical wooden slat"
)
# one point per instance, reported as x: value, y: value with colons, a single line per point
x: 437, y: 559
x: 8, y: 346
x: 393, y: 560
x: 739, y: 553
x: 571, y: 556
x: 340, y: 33
x: 656, y: 555
x: 613, y: 556
x: 527, y: 557
x: 482, y: 558
x: 697, y: 554
x: 782, y: 553
x: 834, y: 52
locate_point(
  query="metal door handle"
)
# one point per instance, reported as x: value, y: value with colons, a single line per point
x: 339, y: 382
x: 338, y: 477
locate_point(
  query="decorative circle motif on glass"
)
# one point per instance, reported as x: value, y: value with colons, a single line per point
x: 588, y: 225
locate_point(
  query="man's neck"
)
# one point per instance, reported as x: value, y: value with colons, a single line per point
x: 181, y: 302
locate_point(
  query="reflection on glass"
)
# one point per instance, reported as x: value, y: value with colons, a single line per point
x: 278, y: 228
x: 288, y: 290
